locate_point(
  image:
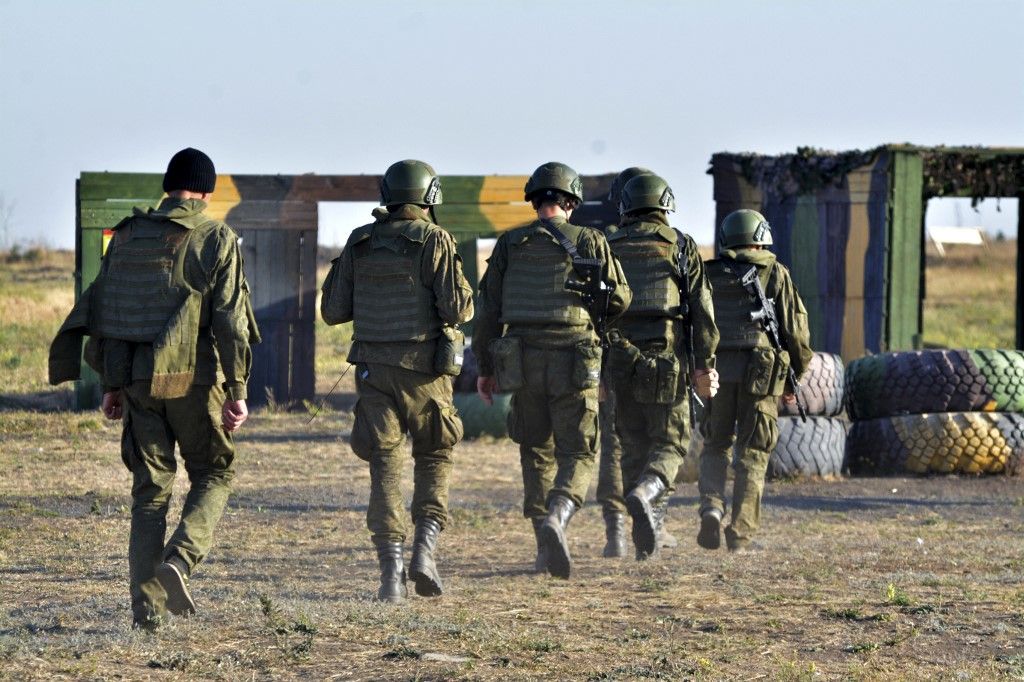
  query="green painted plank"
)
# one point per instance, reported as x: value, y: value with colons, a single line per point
x: 806, y: 232
x: 906, y: 214
x: 148, y: 186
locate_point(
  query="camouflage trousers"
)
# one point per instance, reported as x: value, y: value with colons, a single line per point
x: 151, y: 429
x: 555, y: 424
x: 655, y: 436
x: 753, y: 421
x: 394, y: 401
x: 609, y: 469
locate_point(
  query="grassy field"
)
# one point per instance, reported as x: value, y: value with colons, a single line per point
x: 896, y: 578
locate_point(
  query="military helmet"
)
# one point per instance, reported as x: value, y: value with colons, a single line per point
x: 410, y: 182
x: 744, y: 227
x: 554, y: 176
x: 615, y: 191
x: 646, y: 192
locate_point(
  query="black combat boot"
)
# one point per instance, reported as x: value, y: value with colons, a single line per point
x: 641, y: 502
x: 615, y: 534
x: 665, y: 539
x: 422, y: 569
x: 392, y: 572
x: 553, y: 534
x: 710, y: 534
x: 540, y: 564
x: 172, y: 575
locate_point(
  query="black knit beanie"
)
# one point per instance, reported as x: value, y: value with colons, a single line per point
x: 191, y: 170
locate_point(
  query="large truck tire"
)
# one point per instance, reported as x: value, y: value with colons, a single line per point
x: 811, y: 449
x: 481, y: 419
x: 822, y: 388
x: 933, y: 381
x: 948, y: 442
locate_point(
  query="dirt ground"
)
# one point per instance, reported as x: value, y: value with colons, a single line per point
x: 896, y: 578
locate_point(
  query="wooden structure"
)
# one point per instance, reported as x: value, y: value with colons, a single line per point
x: 276, y: 218
x: 850, y: 226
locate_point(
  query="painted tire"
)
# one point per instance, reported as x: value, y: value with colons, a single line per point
x: 811, y: 449
x: 932, y: 381
x: 822, y: 388
x: 948, y: 442
x: 480, y: 419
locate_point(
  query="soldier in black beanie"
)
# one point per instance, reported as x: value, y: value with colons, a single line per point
x: 190, y: 170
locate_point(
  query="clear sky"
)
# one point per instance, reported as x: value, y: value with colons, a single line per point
x: 490, y: 87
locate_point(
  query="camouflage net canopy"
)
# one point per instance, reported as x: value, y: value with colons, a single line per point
x: 975, y: 172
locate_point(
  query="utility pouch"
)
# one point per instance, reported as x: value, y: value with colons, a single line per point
x: 760, y: 378
x: 780, y: 372
x: 622, y: 357
x: 656, y: 378
x: 586, y: 369
x: 450, y: 347
x: 507, y: 353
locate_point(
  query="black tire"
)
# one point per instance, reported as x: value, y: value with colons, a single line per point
x: 933, y: 381
x: 480, y: 419
x: 811, y: 449
x: 821, y: 389
x: 948, y: 442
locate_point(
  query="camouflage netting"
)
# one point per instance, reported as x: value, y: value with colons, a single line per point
x: 973, y: 172
x: 804, y: 172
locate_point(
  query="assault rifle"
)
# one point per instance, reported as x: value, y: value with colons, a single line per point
x: 588, y: 283
x: 684, y: 312
x: 769, y: 319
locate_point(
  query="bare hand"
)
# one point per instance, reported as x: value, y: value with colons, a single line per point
x: 112, y: 405
x: 789, y: 398
x: 485, y: 388
x: 706, y: 382
x: 234, y: 414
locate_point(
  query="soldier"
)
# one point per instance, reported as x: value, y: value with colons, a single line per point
x: 170, y: 323
x: 399, y: 280
x: 753, y: 376
x: 535, y: 336
x: 649, y: 364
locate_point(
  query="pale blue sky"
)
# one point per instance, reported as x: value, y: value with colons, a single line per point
x: 490, y: 87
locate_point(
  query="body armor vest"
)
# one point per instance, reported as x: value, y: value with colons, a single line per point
x: 144, y: 284
x: 389, y: 302
x: 733, y: 305
x: 533, y: 290
x: 651, y: 270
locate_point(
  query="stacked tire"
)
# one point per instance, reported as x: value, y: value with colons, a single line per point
x: 937, y: 411
x: 811, y: 449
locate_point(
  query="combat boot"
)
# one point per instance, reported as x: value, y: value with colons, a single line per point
x: 553, y: 534
x: 710, y: 534
x: 540, y: 564
x: 392, y: 572
x: 422, y: 568
x: 172, y: 575
x: 665, y: 539
x: 641, y: 502
x: 615, y: 534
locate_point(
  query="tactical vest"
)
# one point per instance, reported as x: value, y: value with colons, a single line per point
x: 144, y: 284
x: 389, y: 302
x: 650, y: 266
x: 733, y: 305
x: 533, y: 290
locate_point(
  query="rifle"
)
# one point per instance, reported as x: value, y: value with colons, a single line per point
x: 588, y: 283
x: 684, y: 312
x: 769, y: 319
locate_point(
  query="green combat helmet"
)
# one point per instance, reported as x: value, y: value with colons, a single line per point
x: 410, y: 182
x: 646, y: 192
x: 744, y: 227
x: 615, y: 191
x: 554, y: 176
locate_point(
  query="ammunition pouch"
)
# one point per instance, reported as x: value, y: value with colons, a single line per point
x: 656, y: 378
x: 448, y: 356
x: 586, y: 368
x: 507, y: 354
x: 767, y: 371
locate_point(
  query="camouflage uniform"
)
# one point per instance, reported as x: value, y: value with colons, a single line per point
x: 652, y: 402
x: 176, y: 353
x: 400, y: 281
x: 554, y: 406
x: 744, y: 408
